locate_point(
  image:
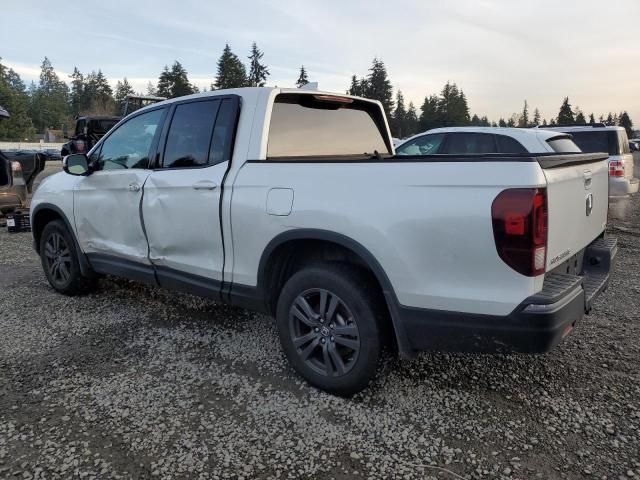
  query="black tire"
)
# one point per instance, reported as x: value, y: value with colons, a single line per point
x: 59, y: 259
x: 350, y: 327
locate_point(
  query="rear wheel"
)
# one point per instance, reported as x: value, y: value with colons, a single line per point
x: 329, y: 326
x: 60, y: 260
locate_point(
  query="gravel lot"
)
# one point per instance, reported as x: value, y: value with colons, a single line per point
x: 138, y: 382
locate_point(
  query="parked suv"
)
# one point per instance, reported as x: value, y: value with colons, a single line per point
x: 612, y: 140
x: 292, y: 203
x: 486, y: 140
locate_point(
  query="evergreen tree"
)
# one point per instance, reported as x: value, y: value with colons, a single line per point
x: 452, y: 109
x: 511, y: 122
x: 429, y: 115
x: 174, y: 82
x: 231, y: 72
x: 14, y: 98
x: 580, y: 116
x: 97, y: 95
x: 592, y: 118
x: 378, y: 86
x: 411, y: 125
x: 50, y: 101
x: 258, y: 72
x: 502, y: 123
x: 544, y: 122
x: 123, y: 89
x: 358, y: 88
x: 475, y: 120
x: 484, y: 122
x: 536, y: 117
x: 77, y: 91
x: 399, y: 118
x: 523, y: 121
x: 303, y: 79
x: 609, y: 120
x: 625, y: 121
x: 566, y: 116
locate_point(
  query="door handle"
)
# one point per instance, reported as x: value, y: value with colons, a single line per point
x: 204, y: 185
x: 134, y: 187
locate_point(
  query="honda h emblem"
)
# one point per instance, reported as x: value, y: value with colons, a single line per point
x: 589, y: 202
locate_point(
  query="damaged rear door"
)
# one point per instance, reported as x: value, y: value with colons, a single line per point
x: 181, y: 202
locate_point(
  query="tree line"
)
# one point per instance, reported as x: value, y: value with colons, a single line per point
x: 53, y: 102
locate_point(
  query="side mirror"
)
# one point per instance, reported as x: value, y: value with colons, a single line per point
x: 76, y: 164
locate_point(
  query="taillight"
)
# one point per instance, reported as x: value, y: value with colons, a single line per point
x: 616, y: 168
x: 519, y: 218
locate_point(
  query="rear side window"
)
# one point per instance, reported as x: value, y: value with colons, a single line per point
x: 509, y: 145
x: 563, y: 144
x: 315, y: 125
x: 597, y: 141
x: 190, y: 133
x: 424, y: 145
x: 469, y: 143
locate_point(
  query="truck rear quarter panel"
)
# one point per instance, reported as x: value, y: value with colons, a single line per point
x: 428, y: 223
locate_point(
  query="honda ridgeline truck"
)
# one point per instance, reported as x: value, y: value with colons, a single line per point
x: 292, y: 203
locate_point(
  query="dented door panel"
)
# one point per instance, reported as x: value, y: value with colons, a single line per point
x: 107, y: 213
x: 181, y: 215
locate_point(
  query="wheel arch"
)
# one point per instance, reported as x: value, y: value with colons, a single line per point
x: 45, y: 213
x: 274, y: 254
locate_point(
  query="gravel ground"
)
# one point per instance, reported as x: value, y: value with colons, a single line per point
x: 138, y: 382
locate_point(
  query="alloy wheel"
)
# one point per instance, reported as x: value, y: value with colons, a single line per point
x: 58, y: 258
x: 324, y: 332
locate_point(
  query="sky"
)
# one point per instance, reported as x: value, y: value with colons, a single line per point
x: 500, y: 52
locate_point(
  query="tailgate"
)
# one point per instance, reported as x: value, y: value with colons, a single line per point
x: 578, y: 200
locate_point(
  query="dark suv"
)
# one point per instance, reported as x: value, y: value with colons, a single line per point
x: 89, y: 129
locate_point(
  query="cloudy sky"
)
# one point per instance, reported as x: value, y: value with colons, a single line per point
x: 499, y: 52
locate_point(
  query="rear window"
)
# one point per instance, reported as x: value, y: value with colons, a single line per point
x: 306, y: 126
x: 509, y: 145
x: 598, y: 141
x: 564, y: 144
x: 102, y: 126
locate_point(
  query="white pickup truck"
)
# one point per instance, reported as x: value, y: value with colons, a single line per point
x: 292, y: 203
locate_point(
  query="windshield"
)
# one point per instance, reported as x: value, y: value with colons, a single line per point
x: 304, y: 126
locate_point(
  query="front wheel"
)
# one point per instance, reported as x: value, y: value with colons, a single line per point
x: 60, y: 260
x: 329, y: 322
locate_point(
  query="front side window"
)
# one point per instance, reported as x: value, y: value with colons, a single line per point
x: 189, y: 137
x: 323, y: 125
x: 129, y: 146
x: 469, y: 144
x: 424, y: 145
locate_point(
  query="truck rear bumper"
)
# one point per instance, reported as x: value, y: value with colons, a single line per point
x: 535, y: 326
